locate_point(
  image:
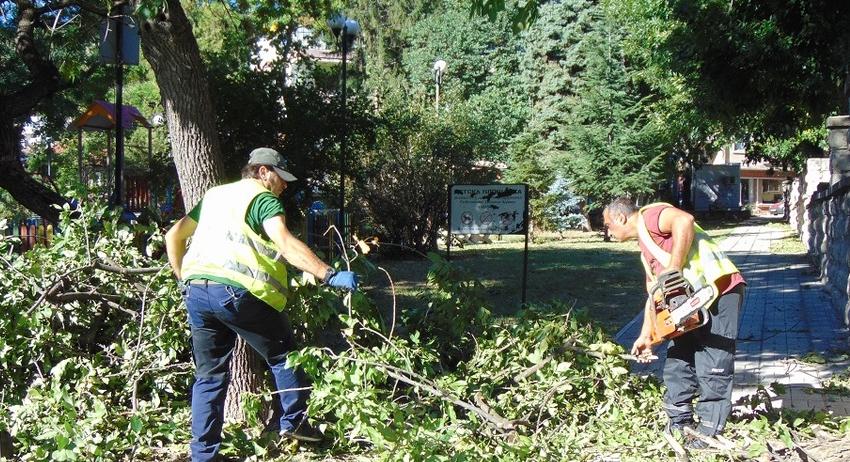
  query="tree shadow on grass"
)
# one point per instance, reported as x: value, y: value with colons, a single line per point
x: 606, y: 282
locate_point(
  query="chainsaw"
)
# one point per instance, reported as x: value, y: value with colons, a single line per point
x: 678, y: 307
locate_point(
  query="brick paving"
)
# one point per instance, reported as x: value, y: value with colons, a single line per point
x: 785, y: 317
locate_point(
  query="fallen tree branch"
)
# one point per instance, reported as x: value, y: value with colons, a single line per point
x: 713, y: 442
x: 127, y: 271
x: 568, y: 344
x: 55, y: 286
x: 549, y: 394
x: 681, y: 454
x: 497, y: 421
x: 110, y: 300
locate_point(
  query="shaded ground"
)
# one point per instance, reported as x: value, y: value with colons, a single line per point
x: 581, y: 270
x: 577, y: 269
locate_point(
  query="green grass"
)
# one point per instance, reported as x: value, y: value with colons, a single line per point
x: 605, y: 279
x: 581, y: 270
x: 718, y: 228
x: 789, y: 243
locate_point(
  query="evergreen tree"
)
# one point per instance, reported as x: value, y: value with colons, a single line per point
x: 612, y: 146
x: 548, y: 66
x: 550, y: 62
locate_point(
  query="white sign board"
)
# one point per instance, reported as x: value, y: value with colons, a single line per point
x: 487, y: 208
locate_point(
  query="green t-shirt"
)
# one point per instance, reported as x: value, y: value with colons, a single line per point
x: 266, y: 205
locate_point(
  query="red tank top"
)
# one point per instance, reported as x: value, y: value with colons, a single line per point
x: 665, y: 240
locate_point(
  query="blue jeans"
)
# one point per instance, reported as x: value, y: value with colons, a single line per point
x: 217, y: 313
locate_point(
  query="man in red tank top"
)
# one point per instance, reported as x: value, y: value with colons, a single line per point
x: 700, y: 364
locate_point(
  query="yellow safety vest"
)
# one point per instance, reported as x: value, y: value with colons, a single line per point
x: 706, y: 263
x: 225, y: 246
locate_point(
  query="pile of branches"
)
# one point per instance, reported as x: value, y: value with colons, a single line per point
x: 95, y: 356
x: 94, y: 350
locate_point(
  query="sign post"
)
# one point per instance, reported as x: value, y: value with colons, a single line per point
x: 489, y: 209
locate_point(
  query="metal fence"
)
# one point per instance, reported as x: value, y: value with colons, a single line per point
x: 30, y: 232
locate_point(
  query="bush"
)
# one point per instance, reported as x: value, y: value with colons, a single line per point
x: 403, y: 181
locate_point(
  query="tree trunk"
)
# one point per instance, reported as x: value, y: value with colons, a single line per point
x: 15, y: 106
x: 172, y: 51
x: 245, y: 360
x: 25, y: 189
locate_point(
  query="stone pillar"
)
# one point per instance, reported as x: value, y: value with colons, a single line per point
x: 817, y: 172
x: 839, y: 151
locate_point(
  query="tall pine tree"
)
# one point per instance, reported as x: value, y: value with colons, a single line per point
x: 549, y: 65
x: 612, y: 145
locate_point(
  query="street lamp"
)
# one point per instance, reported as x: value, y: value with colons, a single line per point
x: 345, y: 30
x: 439, y: 70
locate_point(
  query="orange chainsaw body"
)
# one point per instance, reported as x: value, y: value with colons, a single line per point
x: 678, y: 309
x: 665, y: 329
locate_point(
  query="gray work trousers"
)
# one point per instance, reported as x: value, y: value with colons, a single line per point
x: 701, y: 364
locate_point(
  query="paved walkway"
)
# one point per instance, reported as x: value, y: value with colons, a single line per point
x: 785, y: 316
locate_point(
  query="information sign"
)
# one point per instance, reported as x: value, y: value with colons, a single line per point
x: 488, y: 208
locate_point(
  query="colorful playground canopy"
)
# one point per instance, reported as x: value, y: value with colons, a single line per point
x: 100, y: 115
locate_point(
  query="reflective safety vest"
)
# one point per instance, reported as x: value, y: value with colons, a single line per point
x: 225, y: 246
x: 705, y: 265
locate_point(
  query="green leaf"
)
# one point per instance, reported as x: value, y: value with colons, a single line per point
x: 785, y: 436
x: 619, y: 370
x: 63, y: 454
x: 136, y: 424
x: 62, y: 441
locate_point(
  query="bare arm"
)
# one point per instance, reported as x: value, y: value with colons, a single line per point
x: 293, y: 250
x: 642, y: 347
x: 175, y: 242
x: 680, y: 225
x: 646, y: 329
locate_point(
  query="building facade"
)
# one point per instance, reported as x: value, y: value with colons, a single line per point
x: 762, y: 187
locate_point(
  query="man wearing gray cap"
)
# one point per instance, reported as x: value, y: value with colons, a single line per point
x: 235, y: 283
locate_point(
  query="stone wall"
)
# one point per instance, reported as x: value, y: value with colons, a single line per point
x: 824, y: 219
x: 802, y: 189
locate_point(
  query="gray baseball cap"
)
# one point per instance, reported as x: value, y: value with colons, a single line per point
x: 272, y: 158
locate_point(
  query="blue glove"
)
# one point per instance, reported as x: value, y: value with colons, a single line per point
x: 346, y: 280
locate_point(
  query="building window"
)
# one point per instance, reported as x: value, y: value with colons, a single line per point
x: 739, y: 146
x: 771, y: 190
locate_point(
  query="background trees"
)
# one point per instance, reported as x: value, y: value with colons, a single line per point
x: 572, y: 96
x: 32, y: 41
x: 765, y: 73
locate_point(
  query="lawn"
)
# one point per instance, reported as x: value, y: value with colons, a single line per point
x: 580, y: 270
x: 789, y: 243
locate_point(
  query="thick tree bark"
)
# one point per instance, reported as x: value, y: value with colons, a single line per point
x: 25, y: 189
x: 172, y: 51
x: 246, y: 375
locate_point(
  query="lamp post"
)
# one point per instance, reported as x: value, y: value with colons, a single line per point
x: 345, y: 30
x: 439, y: 70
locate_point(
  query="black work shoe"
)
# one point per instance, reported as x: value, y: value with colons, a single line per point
x: 304, y: 432
x: 694, y: 443
x: 678, y: 427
